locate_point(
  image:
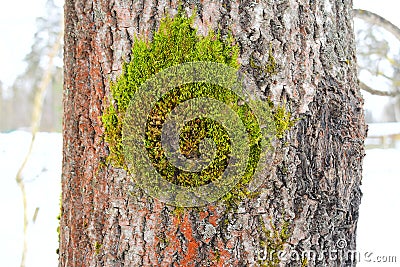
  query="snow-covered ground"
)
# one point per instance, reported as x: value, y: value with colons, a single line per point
x: 42, y: 175
x: 378, y: 227
x: 378, y: 230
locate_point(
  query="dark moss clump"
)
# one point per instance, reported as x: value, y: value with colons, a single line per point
x: 175, y: 42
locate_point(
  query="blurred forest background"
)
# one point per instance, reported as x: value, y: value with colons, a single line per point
x: 17, y: 101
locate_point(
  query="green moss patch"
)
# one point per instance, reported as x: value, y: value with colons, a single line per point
x: 174, y: 43
x: 272, y: 242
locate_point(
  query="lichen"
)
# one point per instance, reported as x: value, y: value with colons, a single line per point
x: 217, y: 255
x: 178, y: 212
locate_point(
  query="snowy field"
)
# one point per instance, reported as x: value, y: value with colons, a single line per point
x: 378, y: 227
x: 378, y: 230
x: 42, y: 176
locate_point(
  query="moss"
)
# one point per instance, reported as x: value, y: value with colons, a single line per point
x: 58, y: 226
x: 270, y: 68
x: 273, y: 241
x: 283, y: 121
x: 179, y: 211
x: 97, y: 247
x: 176, y: 42
x: 217, y: 255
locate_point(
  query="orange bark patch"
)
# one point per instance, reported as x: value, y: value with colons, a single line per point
x: 174, y: 244
x: 192, y: 245
x: 203, y: 215
x: 224, y: 254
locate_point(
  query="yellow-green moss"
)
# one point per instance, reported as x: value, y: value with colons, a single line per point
x: 273, y: 241
x: 58, y: 226
x: 217, y: 255
x: 283, y: 121
x: 97, y: 247
x: 176, y: 42
x: 178, y: 211
x: 270, y: 68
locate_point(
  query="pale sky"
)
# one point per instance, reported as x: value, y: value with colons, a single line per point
x: 17, y: 27
x: 388, y: 9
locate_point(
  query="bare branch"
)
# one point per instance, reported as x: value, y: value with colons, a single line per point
x: 368, y: 89
x: 377, y: 20
x: 394, y: 63
x: 390, y: 27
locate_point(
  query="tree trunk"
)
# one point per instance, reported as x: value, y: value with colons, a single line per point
x: 308, y: 203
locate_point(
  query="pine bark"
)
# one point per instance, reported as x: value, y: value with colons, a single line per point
x: 317, y: 168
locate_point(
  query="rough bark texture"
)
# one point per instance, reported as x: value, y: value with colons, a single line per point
x: 317, y: 171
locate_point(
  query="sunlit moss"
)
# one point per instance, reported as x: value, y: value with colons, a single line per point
x: 176, y: 42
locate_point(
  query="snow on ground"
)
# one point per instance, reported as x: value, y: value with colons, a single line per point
x: 383, y: 129
x: 378, y: 227
x: 377, y: 234
x: 42, y: 175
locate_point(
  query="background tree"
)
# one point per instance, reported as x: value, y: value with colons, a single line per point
x: 310, y: 199
x: 377, y: 52
x: 20, y: 99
